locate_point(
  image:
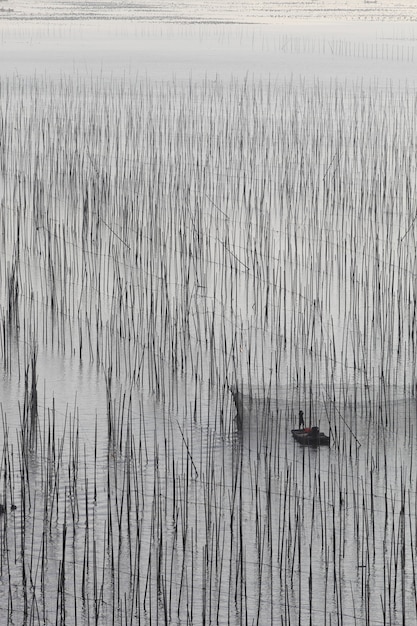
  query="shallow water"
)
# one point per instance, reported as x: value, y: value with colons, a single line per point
x: 372, y: 51
x: 184, y: 208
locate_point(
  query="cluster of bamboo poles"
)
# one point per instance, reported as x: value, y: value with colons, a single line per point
x: 178, y: 238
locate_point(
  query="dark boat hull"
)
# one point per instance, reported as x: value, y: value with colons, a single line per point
x: 308, y: 438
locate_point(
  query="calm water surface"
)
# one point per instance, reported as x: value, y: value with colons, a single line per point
x: 191, y: 200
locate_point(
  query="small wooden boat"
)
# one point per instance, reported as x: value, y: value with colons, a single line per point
x: 310, y: 437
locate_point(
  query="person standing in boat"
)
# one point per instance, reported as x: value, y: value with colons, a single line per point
x: 301, y: 420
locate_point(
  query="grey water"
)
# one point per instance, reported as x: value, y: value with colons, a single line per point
x: 194, y: 200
